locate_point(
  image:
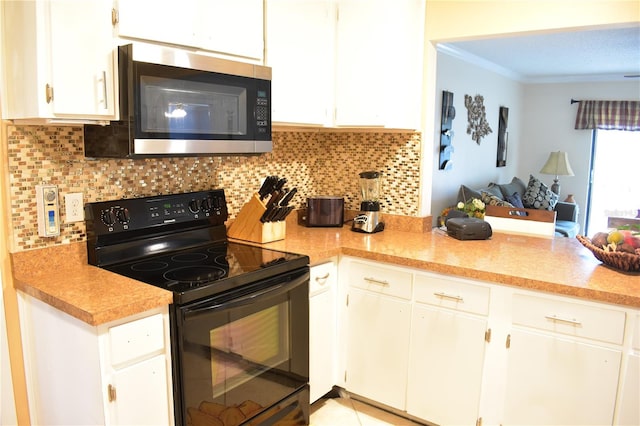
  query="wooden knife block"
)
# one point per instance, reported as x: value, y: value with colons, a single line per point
x: 247, y: 225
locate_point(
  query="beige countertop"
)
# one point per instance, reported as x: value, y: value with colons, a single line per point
x: 556, y: 265
x: 61, y: 277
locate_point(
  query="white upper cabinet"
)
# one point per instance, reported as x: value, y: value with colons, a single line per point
x: 346, y: 62
x: 230, y: 27
x: 58, y: 61
x: 159, y: 20
x: 300, y: 51
x: 379, y: 51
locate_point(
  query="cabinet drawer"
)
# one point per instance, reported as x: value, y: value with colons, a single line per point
x: 136, y: 339
x: 381, y: 279
x: 566, y: 317
x: 323, y: 277
x: 452, y: 293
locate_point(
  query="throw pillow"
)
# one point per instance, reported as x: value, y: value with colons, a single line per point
x: 492, y: 200
x: 516, y: 185
x: 538, y: 195
x: 515, y: 199
x: 467, y: 194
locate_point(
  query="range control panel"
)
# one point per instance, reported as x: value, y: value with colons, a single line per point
x: 136, y: 214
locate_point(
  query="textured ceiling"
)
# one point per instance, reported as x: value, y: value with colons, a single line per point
x: 603, y: 54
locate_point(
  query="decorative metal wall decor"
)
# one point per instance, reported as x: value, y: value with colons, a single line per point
x: 503, y: 137
x: 446, y: 133
x: 477, y: 126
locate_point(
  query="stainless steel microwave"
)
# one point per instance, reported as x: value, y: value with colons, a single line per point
x: 178, y: 103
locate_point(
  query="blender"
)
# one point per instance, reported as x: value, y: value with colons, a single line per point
x: 369, y: 218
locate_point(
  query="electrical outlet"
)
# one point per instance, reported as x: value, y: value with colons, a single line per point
x: 73, y: 207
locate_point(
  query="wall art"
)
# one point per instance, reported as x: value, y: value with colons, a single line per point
x: 446, y: 133
x: 503, y: 137
x: 477, y: 125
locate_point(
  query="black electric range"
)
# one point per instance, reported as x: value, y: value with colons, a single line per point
x: 239, y: 321
x: 178, y: 242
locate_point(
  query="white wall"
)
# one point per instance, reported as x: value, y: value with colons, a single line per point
x: 548, y: 125
x: 472, y: 164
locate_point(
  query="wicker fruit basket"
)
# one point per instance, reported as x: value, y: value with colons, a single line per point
x: 620, y: 260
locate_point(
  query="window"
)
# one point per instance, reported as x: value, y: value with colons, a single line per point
x: 614, y: 189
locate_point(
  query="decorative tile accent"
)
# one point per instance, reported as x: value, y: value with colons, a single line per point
x: 316, y: 162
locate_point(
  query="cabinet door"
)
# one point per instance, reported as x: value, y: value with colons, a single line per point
x: 159, y: 20
x: 300, y: 51
x: 559, y: 381
x: 378, y: 346
x: 629, y: 409
x: 322, y: 329
x: 445, y: 363
x: 141, y: 394
x: 232, y: 26
x: 82, y: 59
x: 379, y: 63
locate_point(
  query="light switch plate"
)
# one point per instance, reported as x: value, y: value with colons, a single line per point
x: 73, y: 207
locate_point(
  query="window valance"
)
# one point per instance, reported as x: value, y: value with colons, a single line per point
x: 608, y: 115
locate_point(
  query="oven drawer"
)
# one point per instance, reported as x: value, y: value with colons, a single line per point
x: 136, y: 339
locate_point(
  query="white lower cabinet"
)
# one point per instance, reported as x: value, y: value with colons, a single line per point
x: 379, y: 320
x: 448, y: 337
x: 456, y: 351
x: 117, y: 373
x: 628, y: 412
x: 322, y: 328
x: 563, y: 362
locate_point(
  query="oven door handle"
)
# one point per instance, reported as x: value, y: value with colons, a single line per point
x: 247, y: 299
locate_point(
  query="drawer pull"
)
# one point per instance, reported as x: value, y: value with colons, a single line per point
x: 556, y: 318
x: 374, y: 281
x: 322, y: 280
x: 449, y: 296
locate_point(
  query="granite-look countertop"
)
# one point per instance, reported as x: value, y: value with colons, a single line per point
x: 555, y: 265
x: 61, y: 277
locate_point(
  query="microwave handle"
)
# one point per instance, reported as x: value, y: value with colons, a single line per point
x: 275, y: 290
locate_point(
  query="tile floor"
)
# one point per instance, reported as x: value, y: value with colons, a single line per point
x: 345, y: 411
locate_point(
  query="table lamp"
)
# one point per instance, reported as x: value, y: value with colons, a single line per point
x: 558, y: 165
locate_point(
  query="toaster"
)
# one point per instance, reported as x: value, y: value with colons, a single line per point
x: 324, y: 211
x: 468, y: 228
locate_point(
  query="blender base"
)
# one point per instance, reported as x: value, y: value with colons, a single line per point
x: 368, y: 222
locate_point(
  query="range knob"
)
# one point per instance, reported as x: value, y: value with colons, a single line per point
x: 194, y: 206
x: 123, y: 215
x: 108, y: 217
x: 207, y: 204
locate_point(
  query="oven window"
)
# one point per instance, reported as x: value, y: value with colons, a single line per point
x: 170, y: 105
x: 247, y: 347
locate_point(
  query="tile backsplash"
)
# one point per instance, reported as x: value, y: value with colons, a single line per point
x: 316, y: 162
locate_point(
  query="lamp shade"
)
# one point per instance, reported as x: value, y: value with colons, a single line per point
x: 557, y: 164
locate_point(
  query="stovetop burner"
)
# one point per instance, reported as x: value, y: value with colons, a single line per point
x: 194, y: 275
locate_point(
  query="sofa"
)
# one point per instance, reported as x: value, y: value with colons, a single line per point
x: 531, y: 195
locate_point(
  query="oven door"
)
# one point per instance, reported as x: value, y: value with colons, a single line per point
x: 244, y: 354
